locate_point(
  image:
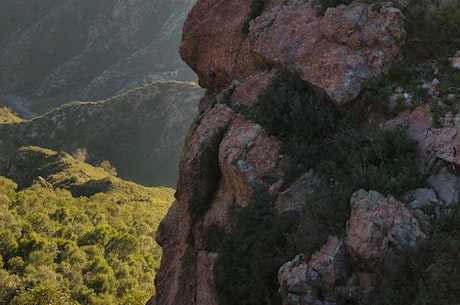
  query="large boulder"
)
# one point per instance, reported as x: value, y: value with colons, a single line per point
x: 380, y: 227
x: 314, y: 281
x: 336, y: 53
x: 378, y: 230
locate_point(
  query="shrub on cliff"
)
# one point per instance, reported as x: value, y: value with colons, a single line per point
x: 251, y: 254
x: 291, y: 109
x: 254, y: 11
x: 429, y: 274
x: 433, y: 31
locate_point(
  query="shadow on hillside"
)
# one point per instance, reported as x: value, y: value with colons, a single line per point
x: 91, y: 187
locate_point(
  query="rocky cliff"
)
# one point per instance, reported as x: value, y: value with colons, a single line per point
x: 301, y: 178
x: 52, y: 52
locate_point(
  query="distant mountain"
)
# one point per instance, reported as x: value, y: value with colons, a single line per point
x: 55, y: 51
x: 140, y: 132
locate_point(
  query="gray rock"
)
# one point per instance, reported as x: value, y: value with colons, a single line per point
x: 446, y: 186
x: 420, y: 198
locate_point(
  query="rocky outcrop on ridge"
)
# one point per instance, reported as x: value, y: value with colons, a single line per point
x: 379, y: 228
x: 336, y: 53
x: 228, y: 157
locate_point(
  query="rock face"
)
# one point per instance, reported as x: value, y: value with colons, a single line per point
x: 326, y: 269
x: 434, y: 144
x: 227, y: 156
x: 380, y: 227
x: 442, y: 142
x: 335, y: 53
x: 213, y: 44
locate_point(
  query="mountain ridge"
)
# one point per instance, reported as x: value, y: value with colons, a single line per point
x: 140, y: 132
x: 61, y: 51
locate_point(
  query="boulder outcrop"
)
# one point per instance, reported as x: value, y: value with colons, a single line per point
x: 336, y: 53
x: 228, y: 156
x: 379, y: 228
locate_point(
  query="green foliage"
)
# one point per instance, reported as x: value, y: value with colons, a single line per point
x: 109, y: 168
x: 290, y: 109
x: 9, y: 285
x: 250, y: 256
x: 56, y: 248
x: 352, y: 160
x: 433, y: 31
x: 80, y: 154
x: 254, y: 11
x: 428, y: 274
x: 382, y: 161
x: 47, y: 293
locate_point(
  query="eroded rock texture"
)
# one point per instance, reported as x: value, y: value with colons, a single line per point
x: 336, y: 53
x: 227, y: 156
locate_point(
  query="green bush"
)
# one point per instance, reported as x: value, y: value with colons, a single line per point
x: 433, y: 31
x: 429, y: 274
x: 382, y: 161
x: 291, y: 109
x: 57, y: 249
x: 250, y: 256
x: 254, y: 11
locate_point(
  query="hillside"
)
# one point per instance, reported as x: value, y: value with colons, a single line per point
x: 140, y: 132
x: 74, y: 234
x: 53, y: 52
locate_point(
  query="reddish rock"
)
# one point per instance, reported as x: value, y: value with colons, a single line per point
x: 225, y: 158
x: 336, y: 53
x: 178, y: 279
x: 293, y: 198
x: 432, y: 143
x: 213, y: 44
x: 379, y: 227
x: 300, y: 281
x: 247, y: 154
x: 455, y: 61
x: 248, y: 91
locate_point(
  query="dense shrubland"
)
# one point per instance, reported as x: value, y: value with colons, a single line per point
x: 60, y: 248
